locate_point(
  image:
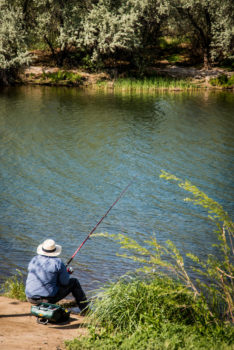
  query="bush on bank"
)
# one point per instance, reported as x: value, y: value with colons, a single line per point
x: 167, y: 309
x: 223, y: 81
x: 156, y: 313
x: 14, y: 287
x: 66, y: 77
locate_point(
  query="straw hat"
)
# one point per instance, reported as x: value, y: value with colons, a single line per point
x: 49, y: 248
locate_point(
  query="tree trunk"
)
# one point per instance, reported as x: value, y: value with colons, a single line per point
x: 204, y: 34
x: 61, y: 55
x: 50, y: 46
x: 4, y: 78
x: 206, y: 58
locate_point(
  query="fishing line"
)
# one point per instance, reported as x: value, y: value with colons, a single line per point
x: 92, y: 231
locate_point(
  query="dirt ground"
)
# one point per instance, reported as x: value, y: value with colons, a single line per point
x: 34, y: 75
x: 20, y: 330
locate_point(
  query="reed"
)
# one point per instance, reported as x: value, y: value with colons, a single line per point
x: 150, y: 84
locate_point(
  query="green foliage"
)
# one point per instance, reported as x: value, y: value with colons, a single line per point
x: 14, y: 287
x: 151, y: 314
x: 167, y: 260
x: 63, y: 76
x: 168, y: 43
x: 170, y: 337
x: 155, y: 310
x: 209, y: 25
x: 223, y: 80
x: 163, y: 259
x: 174, y: 58
x: 88, y: 64
x: 107, y: 28
x: 130, y: 302
x: 121, y: 26
x: 95, y: 34
x: 58, y: 23
x: 13, y: 50
x: 218, y: 271
x: 155, y: 83
x: 215, y: 210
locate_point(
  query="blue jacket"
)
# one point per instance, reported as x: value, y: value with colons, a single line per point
x: 45, y: 275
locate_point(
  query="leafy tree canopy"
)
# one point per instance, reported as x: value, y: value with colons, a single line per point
x: 108, y: 28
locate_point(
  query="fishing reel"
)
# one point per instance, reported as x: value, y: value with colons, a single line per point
x: 70, y: 270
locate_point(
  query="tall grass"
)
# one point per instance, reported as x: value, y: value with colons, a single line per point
x: 153, y: 313
x: 150, y: 84
x: 153, y: 300
x: 14, y: 287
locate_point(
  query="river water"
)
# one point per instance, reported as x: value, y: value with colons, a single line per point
x: 66, y: 154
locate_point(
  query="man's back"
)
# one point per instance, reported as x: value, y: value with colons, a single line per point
x: 45, y: 274
x: 48, y: 279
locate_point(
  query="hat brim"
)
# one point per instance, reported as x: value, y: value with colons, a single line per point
x: 56, y: 252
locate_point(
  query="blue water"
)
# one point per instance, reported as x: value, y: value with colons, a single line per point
x: 66, y: 154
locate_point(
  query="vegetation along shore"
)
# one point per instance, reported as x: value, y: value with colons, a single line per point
x: 160, y: 305
x: 133, y: 44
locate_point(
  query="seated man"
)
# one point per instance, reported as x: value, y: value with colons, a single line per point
x: 48, y: 279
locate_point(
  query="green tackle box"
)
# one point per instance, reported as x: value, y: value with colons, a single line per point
x: 46, y: 312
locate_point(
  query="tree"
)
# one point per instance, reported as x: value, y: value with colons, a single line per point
x: 111, y: 28
x: 13, y: 49
x: 108, y: 28
x: 58, y: 24
x: 209, y: 24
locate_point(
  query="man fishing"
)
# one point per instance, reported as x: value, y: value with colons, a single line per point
x: 49, y: 280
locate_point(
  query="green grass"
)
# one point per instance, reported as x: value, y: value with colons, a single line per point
x: 63, y: 76
x: 153, y: 313
x: 174, y: 58
x: 150, y: 84
x: 168, y: 43
x: 14, y: 287
x: 223, y: 81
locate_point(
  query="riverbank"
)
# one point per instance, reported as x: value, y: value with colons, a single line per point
x: 168, y: 77
x: 19, y: 329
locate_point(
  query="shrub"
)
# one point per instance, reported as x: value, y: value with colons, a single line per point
x: 223, y: 80
x: 167, y: 260
x: 14, y: 287
x: 153, y: 313
x: 165, y: 309
x: 154, y: 300
x: 63, y: 76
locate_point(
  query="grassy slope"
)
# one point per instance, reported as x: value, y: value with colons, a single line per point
x: 155, y: 314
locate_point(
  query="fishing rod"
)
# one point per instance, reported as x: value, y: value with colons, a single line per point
x: 92, y: 231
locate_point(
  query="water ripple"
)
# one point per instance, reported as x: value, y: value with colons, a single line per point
x: 66, y: 155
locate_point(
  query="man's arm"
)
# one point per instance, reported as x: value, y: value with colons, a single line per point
x: 63, y: 275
